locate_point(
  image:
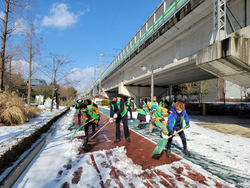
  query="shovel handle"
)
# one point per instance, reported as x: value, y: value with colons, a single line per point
x: 87, y: 123
x: 101, y: 128
x: 176, y: 132
x: 81, y: 126
x: 155, y: 123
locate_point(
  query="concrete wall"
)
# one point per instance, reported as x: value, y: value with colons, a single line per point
x: 181, y: 41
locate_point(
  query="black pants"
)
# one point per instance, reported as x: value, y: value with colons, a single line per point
x: 183, y: 139
x: 86, y: 127
x: 124, y: 120
x: 130, y: 111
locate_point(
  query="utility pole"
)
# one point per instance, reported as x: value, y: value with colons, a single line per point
x: 100, y: 72
x: 94, y: 92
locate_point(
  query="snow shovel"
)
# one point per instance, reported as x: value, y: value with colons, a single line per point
x: 162, y: 143
x: 80, y: 128
x: 72, y: 123
x: 86, y: 140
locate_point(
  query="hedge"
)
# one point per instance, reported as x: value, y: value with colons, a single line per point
x: 105, y: 102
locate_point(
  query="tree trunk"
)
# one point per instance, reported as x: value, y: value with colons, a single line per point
x: 10, y: 84
x: 4, y: 35
x: 52, y: 97
x: 57, y: 100
x: 29, y: 87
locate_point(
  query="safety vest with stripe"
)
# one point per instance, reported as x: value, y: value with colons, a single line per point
x: 174, y: 120
x: 144, y: 110
x: 118, y: 102
x: 130, y: 104
x: 78, y: 110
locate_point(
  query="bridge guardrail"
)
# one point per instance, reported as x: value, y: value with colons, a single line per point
x: 154, y: 22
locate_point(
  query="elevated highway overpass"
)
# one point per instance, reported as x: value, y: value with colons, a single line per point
x: 177, y: 38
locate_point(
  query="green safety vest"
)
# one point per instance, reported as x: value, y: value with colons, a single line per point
x: 78, y: 110
x: 174, y: 121
x: 157, y: 113
x: 130, y: 103
x: 162, y: 105
x: 143, y: 111
x: 91, y: 113
x: 153, y: 103
x: 118, y: 105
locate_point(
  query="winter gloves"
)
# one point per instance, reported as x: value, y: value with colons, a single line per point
x: 112, y: 119
x: 187, y: 125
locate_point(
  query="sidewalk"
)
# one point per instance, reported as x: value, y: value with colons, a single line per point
x: 139, y: 150
x: 225, y: 124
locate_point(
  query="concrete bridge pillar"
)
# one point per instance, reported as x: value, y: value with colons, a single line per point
x: 228, y: 59
x: 170, y: 93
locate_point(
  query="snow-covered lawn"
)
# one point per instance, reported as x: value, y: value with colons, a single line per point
x: 11, y: 135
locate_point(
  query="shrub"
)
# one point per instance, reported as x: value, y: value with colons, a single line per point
x: 105, y: 102
x: 13, y: 110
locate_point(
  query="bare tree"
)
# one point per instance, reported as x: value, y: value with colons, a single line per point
x: 218, y: 83
x: 31, y: 52
x: 189, y: 89
x: 15, y: 12
x: 57, y: 71
x: 12, y: 55
x: 203, y: 88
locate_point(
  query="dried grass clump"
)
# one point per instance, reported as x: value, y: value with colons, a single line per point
x: 33, y: 112
x: 13, y: 110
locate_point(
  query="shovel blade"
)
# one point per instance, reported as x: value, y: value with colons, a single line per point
x: 77, y: 129
x: 71, y: 125
x: 160, y: 146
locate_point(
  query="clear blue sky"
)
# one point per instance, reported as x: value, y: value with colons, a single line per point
x: 83, y: 28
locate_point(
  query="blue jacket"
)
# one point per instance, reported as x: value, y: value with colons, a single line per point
x: 173, y: 117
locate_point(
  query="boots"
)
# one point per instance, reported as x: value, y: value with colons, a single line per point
x: 117, y: 140
x: 186, y: 152
x: 140, y: 126
x: 85, y: 141
x: 169, y: 152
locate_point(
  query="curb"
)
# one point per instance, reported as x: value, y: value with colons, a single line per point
x: 16, y: 172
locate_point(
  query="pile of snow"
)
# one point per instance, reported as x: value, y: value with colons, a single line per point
x: 224, y: 155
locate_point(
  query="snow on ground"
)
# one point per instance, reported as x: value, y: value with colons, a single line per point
x: 58, y: 165
x: 11, y: 135
x: 58, y: 162
x: 240, y: 105
x: 224, y: 155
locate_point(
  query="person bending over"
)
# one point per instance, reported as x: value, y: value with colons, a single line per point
x: 118, y: 111
x: 176, y: 122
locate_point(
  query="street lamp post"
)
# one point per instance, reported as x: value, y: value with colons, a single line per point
x: 100, y: 73
x: 151, y: 68
x: 105, y: 55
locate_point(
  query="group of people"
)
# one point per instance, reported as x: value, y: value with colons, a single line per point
x: 156, y: 112
x: 90, y: 115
